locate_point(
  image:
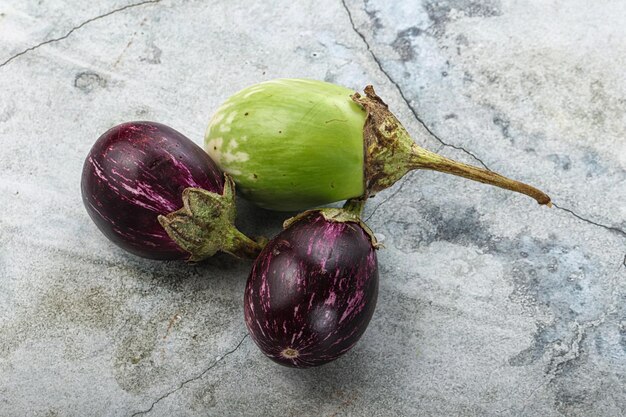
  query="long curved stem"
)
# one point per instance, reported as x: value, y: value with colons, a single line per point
x: 421, y: 158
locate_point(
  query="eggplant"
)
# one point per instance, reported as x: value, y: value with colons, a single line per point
x: 312, y: 291
x: 292, y: 144
x: 156, y: 194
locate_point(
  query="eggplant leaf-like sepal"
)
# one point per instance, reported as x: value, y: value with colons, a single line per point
x: 205, y: 224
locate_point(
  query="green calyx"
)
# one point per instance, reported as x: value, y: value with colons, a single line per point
x: 205, y: 225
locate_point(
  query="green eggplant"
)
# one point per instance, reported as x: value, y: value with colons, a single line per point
x: 293, y: 144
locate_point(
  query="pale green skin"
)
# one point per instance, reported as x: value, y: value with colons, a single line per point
x: 290, y: 144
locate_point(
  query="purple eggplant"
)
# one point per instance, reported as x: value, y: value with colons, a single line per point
x: 313, y: 289
x: 156, y: 194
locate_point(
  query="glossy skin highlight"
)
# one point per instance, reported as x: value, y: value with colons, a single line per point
x: 136, y: 171
x: 312, y: 292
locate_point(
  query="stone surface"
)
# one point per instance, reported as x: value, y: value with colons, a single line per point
x: 489, y: 304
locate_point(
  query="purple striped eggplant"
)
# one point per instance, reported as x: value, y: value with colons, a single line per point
x: 312, y: 290
x: 156, y: 194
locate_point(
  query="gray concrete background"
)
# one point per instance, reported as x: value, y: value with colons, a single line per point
x: 489, y: 304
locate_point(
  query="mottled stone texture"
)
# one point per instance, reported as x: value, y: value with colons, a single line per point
x: 488, y: 303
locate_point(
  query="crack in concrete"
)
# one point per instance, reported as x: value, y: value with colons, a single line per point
x: 591, y: 222
x: 75, y: 28
x: 404, y: 180
x: 194, y: 378
x: 401, y: 92
x: 578, y: 216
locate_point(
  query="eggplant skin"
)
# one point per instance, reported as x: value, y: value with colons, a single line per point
x: 290, y: 144
x: 312, y: 292
x: 136, y: 171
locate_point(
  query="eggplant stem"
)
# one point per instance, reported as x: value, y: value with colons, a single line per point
x: 421, y: 158
x: 355, y: 206
x: 241, y: 245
